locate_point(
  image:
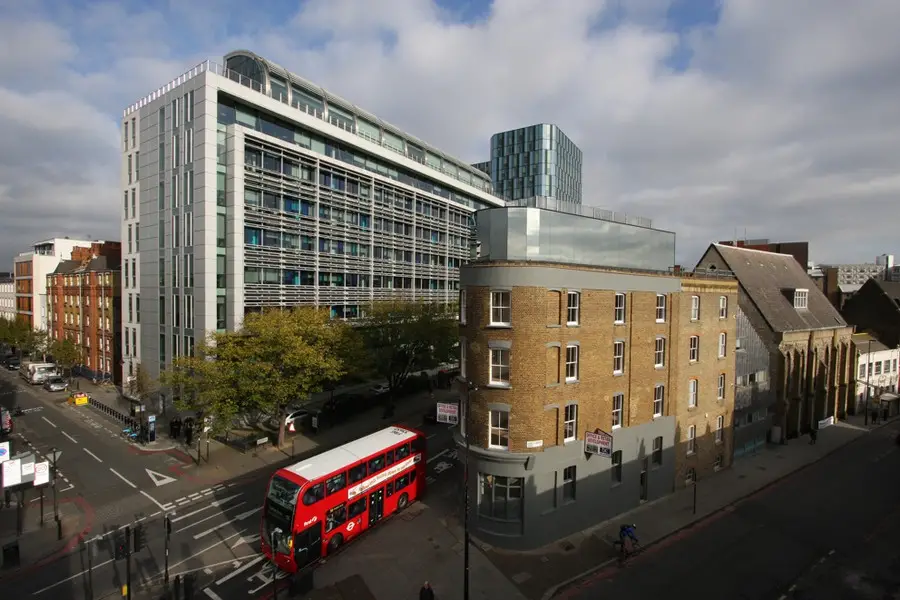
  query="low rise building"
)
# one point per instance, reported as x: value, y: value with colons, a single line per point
x: 876, y: 308
x: 84, y: 305
x: 7, y: 296
x: 876, y: 374
x: 574, y: 324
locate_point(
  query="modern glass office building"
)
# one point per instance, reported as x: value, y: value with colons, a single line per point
x: 247, y: 186
x: 536, y: 161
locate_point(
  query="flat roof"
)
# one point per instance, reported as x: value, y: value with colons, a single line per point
x: 341, y: 457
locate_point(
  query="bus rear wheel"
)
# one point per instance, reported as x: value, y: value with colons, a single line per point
x: 335, y: 542
x: 403, y: 502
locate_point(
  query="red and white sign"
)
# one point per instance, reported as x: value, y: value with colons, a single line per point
x: 447, y: 413
x: 41, y: 473
x: 598, y: 442
x: 12, y: 472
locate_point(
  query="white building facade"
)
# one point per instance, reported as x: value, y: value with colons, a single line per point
x: 246, y: 186
x: 877, y: 369
x: 7, y: 298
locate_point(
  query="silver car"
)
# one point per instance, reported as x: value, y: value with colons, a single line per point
x: 56, y: 384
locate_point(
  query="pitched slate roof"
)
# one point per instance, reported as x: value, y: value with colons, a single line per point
x: 891, y: 289
x: 69, y: 267
x: 767, y: 278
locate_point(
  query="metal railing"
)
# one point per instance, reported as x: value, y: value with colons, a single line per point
x: 549, y: 203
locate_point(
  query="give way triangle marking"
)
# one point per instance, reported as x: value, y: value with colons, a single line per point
x: 158, y: 478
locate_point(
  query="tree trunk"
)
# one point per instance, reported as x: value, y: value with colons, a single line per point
x: 280, y: 441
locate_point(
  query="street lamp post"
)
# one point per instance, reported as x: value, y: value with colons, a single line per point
x: 467, y: 541
x: 868, y: 378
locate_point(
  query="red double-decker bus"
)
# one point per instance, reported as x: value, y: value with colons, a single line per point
x: 314, y: 507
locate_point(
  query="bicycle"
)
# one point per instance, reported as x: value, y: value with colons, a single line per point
x: 130, y: 433
x: 625, y: 553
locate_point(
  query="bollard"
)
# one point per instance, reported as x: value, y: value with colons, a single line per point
x: 177, y: 587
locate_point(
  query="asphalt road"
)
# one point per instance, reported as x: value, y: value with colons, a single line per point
x: 216, y: 538
x: 823, y: 530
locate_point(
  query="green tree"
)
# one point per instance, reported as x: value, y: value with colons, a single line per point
x: 14, y: 332
x: 278, y: 359
x: 402, y: 337
x: 141, y: 385
x: 66, y: 354
x: 35, y: 342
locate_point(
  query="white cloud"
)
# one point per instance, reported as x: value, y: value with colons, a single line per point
x: 784, y: 122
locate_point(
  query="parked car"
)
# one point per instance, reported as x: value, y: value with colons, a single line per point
x: 13, y: 363
x: 295, y: 419
x: 380, y: 389
x: 56, y: 384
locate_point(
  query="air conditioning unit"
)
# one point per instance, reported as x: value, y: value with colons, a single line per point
x: 737, y: 343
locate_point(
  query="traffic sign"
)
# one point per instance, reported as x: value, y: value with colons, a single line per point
x: 158, y: 478
x: 54, y: 456
x: 41, y: 473
x: 4, y: 451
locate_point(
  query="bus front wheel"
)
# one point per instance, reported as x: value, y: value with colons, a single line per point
x: 335, y: 543
x: 403, y: 502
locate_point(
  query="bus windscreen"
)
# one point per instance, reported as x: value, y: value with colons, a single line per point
x: 281, y: 502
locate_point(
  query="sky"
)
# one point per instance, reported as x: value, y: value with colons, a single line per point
x: 715, y: 118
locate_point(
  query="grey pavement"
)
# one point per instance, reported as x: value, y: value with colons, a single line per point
x: 548, y: 571
x: 771, y: 543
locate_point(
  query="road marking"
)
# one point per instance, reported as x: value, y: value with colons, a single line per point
x: 430, y: 436
x: 158, y: 478
x: 70, y: 437
x: 62, y: 581
x: 120, y: 476
x: 241, y: 570
x: 162, y: 507
x: 244, y: 540
x: 215, y: 504
x: 240, y: 517
x: 49, y: 421
x: 194, y: 496
x: 213, y: 516
x: 208, y: 548
x: 438, y: 455
x: 67, y: 489
x: 97, y: 458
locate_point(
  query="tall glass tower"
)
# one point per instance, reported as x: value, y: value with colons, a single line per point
x: 539, y: 160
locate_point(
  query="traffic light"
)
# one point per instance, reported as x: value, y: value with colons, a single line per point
x: 139, y: 540
x: 121, y: 542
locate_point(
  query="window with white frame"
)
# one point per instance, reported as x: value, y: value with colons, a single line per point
x: 659, y: 353
x: 570, y: 423
x: 692, y: 393
x: 801, y: 298
x: 572, y: 363
x: 692, y: 439
x: 720, y: 387
x: 618, y: 357
x: 573, y: 308
x: 498, y: 430
x: 878, y: 367
x: 619, y: 313
x: 695, y: 308
x: 500, y: 308
x: 723, y: 340
x: 462, y: 307
x: 723, y: 307
x: 659, y: 399
x: 618, y: 401
x: 720, y: 429
x: 500, y: 366
x: 657, y: 456
x: 694, y: 348
x: 660, y: 308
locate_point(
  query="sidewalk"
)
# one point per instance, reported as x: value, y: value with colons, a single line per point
x: 546, y: 572
x: 39, y: 545
x: 417, y: 545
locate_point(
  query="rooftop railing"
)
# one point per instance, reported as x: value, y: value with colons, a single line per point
x: 475, y: 182
x: 548, y: 203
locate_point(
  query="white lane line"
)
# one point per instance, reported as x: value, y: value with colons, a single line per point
x: 239, y: 504
x: 194, y: 496
x: 182, y: 499
x: 146, y: 495
x: 67, y: 489
x: 120, y: 476
x: 430, y: 436
x: 241, y: 570
x: 207, y: 549
x: 211, y: 593
x: 207, y: 507
x: 240, y: 517
x: 70, y: 437
x: 61, y: 581
x: 437, y: 456
x: 95, y: 457
x: 51, y: 422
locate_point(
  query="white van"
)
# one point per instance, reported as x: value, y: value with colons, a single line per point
x: 37, y: 373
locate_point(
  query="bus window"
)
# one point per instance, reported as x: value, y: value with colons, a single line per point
x: 357, y: 508
x: 390, y: 489
x: 335, y: 517
x: 336, y: 483
x: 402, y: 482
x: 389, y: 458
x: 314, y: 494
x: 357, y: 473
x: 402, y: 452
x: 376, y: 464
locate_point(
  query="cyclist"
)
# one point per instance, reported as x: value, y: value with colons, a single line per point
x: 626, y: 532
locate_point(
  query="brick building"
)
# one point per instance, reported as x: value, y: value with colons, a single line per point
x: 571, y: 334
x: 795, y: 361
x: 876, y: 308
x: 84, y: 305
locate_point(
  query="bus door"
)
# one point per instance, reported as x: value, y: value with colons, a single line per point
x: 308, y: 545
x: 376, y: 506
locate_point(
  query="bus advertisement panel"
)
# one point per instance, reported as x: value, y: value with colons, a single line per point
x: 314, y: 507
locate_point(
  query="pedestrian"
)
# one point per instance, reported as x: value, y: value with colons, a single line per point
x: 813, y: 434
x: 188, y: 434
x: 874, y: 417
x: 426, y: 593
